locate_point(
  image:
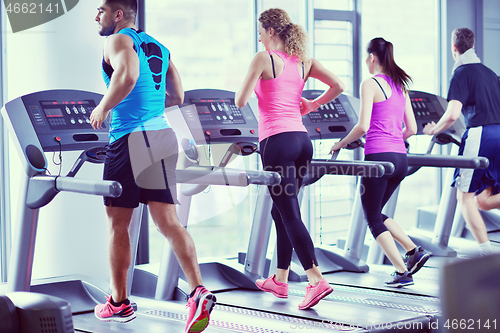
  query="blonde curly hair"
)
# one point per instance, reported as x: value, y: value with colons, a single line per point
x: 293, y: 35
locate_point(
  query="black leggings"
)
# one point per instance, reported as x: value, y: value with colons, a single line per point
x: 375, y: 192
x: 289, y: 154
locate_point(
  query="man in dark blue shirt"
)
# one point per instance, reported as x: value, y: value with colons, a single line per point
x: 474, y: 91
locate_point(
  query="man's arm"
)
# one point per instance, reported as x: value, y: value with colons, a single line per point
x: 449, y: 117
x: 174, y: 92
x: 119, y: 52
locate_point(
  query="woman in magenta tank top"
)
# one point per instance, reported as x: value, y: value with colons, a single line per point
x: 278, y: 76
x: 385, y: 107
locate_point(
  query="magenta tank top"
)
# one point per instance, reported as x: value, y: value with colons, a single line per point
x: 279, y: 100
x: 385, y: 134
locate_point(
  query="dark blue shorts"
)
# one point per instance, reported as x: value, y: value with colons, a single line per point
x: 480, y: 141
x: 144, y: 164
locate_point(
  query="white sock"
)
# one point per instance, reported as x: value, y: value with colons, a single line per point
x: 485, y: 248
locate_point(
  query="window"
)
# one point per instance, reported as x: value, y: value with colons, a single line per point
x: 212, y: 44
x: 337, y: 4
x: 412, y: 27
x: 334, y: 45
x: 294, y: 8
x: 413, y: 30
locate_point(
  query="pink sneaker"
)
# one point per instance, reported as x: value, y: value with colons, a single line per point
x: 200, y: 305
x: 109, y: 312
x: 272, y: 286
x: 315, y: 294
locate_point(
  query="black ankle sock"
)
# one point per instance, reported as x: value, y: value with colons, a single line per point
x: 125, y: 301
x: 192, y: 293
x: 411, y: 252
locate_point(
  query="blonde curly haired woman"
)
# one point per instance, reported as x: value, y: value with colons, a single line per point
x: 278, y: 76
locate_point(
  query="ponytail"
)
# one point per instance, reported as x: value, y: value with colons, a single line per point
x: 384, y: 52
x: 295, y: 39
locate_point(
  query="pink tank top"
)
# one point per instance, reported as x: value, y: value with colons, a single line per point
x: 279, y: 100
x: 385, y: 134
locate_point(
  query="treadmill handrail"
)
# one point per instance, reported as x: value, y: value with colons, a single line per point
x: 210, y: 175
x: 352, y: 168
x: 318, y: 168
x: 106, y: 188
x: 43, y: 188
x: 421, y: 160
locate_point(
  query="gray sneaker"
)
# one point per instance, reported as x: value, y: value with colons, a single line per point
x: 417, y: 260
x: 399, y: 280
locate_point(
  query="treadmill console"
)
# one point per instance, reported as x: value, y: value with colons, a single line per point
x: 332, y: 120
x: 63, y: 114
x: 212, y: 116
x: 58, y: 119
x: 218, y: 112
x: 428, y: 108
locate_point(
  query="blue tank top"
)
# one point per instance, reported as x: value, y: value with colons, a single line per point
x: 143, y: 108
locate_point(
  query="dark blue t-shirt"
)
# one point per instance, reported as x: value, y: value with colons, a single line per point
x: 478, y: 89
x: 144, y: 107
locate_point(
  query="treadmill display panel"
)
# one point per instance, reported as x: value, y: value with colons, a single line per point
x: 66, y: 114
x: 218, y: 112
x: 330, y: 112
x: 423, y: 108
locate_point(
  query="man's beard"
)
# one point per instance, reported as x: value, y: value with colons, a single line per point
x: 107, y: 31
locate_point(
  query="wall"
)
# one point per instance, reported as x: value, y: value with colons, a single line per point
x: 492, y: 35
x: 454, y: 14
x: 482, y: 17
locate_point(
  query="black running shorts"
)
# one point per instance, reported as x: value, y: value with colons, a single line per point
x: 144, y: 164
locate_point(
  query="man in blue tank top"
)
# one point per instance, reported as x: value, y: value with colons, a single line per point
x: 474, y: 91
x: 136, y: 69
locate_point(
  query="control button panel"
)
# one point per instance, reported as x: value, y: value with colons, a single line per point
x: 64, y: 114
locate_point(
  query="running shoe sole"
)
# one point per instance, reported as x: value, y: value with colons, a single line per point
x: 419, y: 264
x: 400, y: 285
x: 271, y: 291
x: 199, y: 323
x: 117, y: 318
x: 316, y: 299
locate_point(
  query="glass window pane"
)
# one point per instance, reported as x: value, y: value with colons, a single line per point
x: 212, y: 45
x: 334, y: 52
x: 334, y: 4
x: 412, y: 28
x: 294, y: 8
x: 208, y: 51
x: 328, y: 24
x: 332, y: 36
x: 333, y: 48
x: 338, y: 67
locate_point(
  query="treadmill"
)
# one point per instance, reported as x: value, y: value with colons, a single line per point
x: 332, y: 120
x: 427, y: 107
x: 57, y: 120
x: 352, y: 308
x: 52, y: 121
